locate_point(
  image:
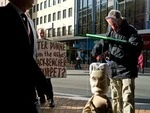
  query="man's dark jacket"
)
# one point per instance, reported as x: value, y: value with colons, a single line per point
x: 123, y: 56
x: 20, y: 74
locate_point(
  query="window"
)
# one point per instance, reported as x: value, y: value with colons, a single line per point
x: 49, y: 32
x: 33, y: 8
x: 58, y: 15
x: 59, y: 1
x: 45, y: 4
x: 54, y: 2
x: 41, y: 4
x: 1, y: 3
x: 64, y: 31
x: 49, y: 18
x: 41, y: 18
x: 37, y: 21
x: 54, y: 16
x: 53, y: 32
x: 58, y: 31
x: 70, y: 30
x: 64, y: 13
x: 45, y: 18
x: 37, y: 8
x: 34, y: 21
x: 70, y: 12
x: 49, y: 3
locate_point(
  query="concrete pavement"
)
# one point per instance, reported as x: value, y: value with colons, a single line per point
x: 67, y: 104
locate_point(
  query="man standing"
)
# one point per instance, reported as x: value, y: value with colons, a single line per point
x: 49, y: 94
x: 123, y: 61
x: 21, y: 74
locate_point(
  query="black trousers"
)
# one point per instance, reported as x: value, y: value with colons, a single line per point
x: 78, y: 64
x: 49, y: 94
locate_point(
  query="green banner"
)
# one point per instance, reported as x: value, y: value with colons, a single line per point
x: 104, y: 37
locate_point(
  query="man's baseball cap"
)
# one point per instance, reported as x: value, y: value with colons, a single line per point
x: 114, y: 14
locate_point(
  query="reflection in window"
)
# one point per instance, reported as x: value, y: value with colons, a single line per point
x: 103, y: 6
x: 89, y: 30
x: 89, y: 9
x: 80, y: 4
x: 97, y: 23
x: 84, y: 29
x: 97, y: 13
x: 121, y: 8
x: 103, y: 23
x: 80, y: 30
x: 90, y: 2
x: 80, y: 21
x: 84, y: 3
x: 97, y: 0
x: 130, y: 12
x: 103, y: 1
x: 140, y: 14
x: 84, y: 20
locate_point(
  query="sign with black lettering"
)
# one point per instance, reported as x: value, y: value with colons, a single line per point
x: 51, y: 57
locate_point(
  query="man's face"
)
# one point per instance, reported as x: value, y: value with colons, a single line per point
x: 113, y: 23
x: 41, y: 33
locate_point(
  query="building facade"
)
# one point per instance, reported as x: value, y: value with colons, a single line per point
x: 69, y: 21
x: 90, y: 18
x: 3, y: 2
x: 55, y: 16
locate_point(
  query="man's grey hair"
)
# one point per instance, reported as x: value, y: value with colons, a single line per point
x: 115, y: 14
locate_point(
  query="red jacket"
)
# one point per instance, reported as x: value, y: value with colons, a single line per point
x: 140, y: 61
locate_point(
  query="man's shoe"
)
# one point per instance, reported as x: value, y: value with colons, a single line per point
x: 52, y: 104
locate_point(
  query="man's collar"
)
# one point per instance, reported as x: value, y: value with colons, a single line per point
x: 17, y: 8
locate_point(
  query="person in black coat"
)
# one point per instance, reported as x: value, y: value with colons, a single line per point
x: 21, y: 74
x: 123, y: 59
x: 48, y: 95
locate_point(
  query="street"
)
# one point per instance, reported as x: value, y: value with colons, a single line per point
x: 77, y: 86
